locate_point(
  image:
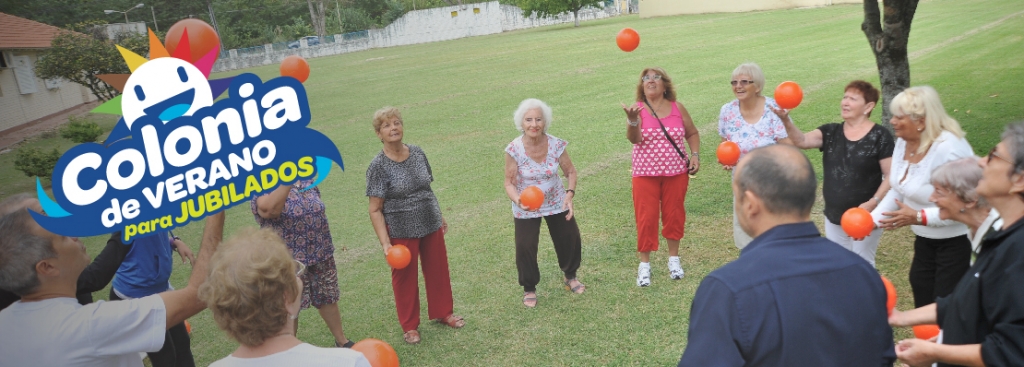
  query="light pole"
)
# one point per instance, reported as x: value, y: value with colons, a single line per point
x: 124, y: 12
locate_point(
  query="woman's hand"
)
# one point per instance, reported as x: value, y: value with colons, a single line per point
x: 523, y: 206
x: 728, y: 168
x: 567, y: 204
x: 184, y: 251
x: 915, y: 352
x: 694, y: 164
x: 782, y: 113
x: 444, y: 226
x: 387, y: 246
x: 632, y: 112
x: 905, y: 216
x: 868, y: 205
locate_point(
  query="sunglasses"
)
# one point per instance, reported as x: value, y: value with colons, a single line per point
x: 648, y: 78
x: 994, y: 154
x: 300, y: 268
x: 742, y: 83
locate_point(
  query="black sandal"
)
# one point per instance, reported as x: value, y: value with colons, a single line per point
x: 346, y: 345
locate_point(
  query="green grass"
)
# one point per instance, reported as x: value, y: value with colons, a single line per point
x: 458, y: 96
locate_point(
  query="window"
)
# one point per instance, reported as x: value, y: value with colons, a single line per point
x: 3, y: 60
x: 24, y: 74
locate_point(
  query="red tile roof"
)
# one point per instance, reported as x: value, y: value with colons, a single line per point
x: 18, y: 32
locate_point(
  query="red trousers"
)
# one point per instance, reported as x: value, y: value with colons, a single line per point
x: 654, y: 195
x: 405, y: 282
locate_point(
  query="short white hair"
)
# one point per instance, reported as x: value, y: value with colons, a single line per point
x: 754, y: 72
x: 529, y: 104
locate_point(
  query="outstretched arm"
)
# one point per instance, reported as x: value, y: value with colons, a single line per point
x: 183, y: 303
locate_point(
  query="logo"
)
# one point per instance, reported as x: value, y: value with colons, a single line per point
x: 177, y: 156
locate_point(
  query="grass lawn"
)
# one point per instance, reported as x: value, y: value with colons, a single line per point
x: 457, y: 98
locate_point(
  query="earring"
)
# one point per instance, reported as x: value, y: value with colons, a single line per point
x: 963, y: 210
x: 293, y: 317
x: 920, y: 130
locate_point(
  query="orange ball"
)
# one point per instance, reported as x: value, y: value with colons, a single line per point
x: 788, y: 95
x: 201, y: 37
x: 188, y: 327
x: 890, y: 293
x: 532, y: 197
x: 926, y: 331
x: 728, y: 153
x: 857, y: 223
x: 628, y: 40
x: 296, y: 67
x: 377, y: 352
x: 398, y: 256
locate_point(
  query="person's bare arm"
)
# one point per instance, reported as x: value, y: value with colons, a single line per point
x: 377, y: 219
x: 570, y: 175
x: 183, y: 303
x: 271, y: 205
x: 633, y: 132
x: 511, y: 172
x: 692, y: 139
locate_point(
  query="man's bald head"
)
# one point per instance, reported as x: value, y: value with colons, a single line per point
x: 781, y: 176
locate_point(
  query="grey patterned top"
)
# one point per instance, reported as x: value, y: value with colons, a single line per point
x: 410, y: 207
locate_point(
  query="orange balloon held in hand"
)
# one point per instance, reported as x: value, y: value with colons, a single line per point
x: 628, y: 40
x: 925, y: 332
x: 890, y: 292
x: 296, y: 67
x: 398, y: 256
x: 857, y: 223
x: 788, y: 95
x: 377, y: 352
x: 201, y: 37
x: 728, y: 153
x: 532, y: 197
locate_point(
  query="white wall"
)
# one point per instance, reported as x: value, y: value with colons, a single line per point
x: 17, y: 108
x: 660, y: 8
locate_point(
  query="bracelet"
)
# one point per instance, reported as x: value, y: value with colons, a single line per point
x: 175, y: 238
x: 877, y: 200
x: 570, y: 190
x: 923, y: 218
x: 695, y: 154
x: 633, y: 123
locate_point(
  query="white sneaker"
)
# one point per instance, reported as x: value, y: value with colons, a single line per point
x: 675, y: 271
x: 643, y: 275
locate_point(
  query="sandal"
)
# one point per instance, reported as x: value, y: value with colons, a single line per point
x: 412, y: 337
x: 455, y: 322
x: 527, y: 299
x: 348, y: 344
x: 578, y: 289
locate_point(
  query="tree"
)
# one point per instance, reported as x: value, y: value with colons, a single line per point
x: 546, y: 8
x: 318, y: 17
x: 79, y: 58
x: 889, y: 44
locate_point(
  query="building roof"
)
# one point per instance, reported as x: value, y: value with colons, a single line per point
x: 22, y: 33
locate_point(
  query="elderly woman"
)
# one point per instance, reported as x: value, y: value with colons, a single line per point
x: 749, y: 121
x: 254, y: 291
x: 957, y: 199
x: 855, y: 157
x: 657, y: 126
x: 404, y: 210
x: 533, y: 159
x: 982, y: 320
x: 926, y: 137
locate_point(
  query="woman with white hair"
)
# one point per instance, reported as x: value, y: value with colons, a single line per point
x: 926, y: 137
x: 956, y: 196
x: 533, y: 159
x: 751, y: 122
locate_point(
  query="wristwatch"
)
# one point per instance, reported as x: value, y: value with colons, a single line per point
x: 919, y: 216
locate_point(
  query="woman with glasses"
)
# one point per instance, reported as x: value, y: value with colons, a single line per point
x: 751, y: 121
x: 926, y: 137
x: 404, y: 211
x: 855, y: 158
x: 982, y: 320
x: 660, y: 128
x: 254, y: 291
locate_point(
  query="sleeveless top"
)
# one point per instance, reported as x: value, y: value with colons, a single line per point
x: 544, y: 175
x: 654, y: 155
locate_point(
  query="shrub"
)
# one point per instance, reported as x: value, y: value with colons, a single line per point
x: 81, y: 130
x: 36, y: 163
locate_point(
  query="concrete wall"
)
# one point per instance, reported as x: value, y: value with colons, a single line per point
x: 17, y: 108
x: 660, y: 8
x: 418, y: 26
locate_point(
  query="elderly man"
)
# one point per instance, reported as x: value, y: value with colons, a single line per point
x: 49, y: 328
x: 792, y: 298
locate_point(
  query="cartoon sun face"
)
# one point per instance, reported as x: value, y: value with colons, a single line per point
x: 165, y: 88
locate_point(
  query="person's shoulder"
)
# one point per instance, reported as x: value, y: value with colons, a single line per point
x: 340, y: 357
x: 731, y: 104
x: 377, y: 159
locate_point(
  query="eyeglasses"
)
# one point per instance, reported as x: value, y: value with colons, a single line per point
x: 300, y: 269
x: 742, y: 83
x: 994, y: 154
x: 648, y: 78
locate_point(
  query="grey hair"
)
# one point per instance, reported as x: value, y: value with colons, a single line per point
x: 923, y: 103
x: 20, y: 251
x: 786, y: 184
x: 960, y: 177
x: 754, y: 72
x: 1013, y: 135
x: 529, y: 104
x: 14, y: 202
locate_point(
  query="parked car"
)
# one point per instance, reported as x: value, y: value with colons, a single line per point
x: 310, y: 41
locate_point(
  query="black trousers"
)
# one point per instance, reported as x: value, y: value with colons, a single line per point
x: 566, y: 237
x: 177, y: 349
x: 937, y: 267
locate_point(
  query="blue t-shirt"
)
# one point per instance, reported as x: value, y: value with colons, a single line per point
x: 147, y: 267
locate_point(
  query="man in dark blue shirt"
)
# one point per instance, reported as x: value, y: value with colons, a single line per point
x: 792, y: 298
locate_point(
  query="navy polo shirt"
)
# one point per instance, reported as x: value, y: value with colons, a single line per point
x: 792, y: 298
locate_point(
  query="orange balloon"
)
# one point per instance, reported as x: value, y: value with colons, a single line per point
x: 296, y: 67
x: 201, y: 37
x: 788, y: 95
x: 532, y: 197
x: 926, y: 331
x: 379, y: 353
x: 857, y: 223
x: 890, y: 293
x: 398, y: 256
x: 628, y: 40
x: 188, y: 327
x: 728, y: 153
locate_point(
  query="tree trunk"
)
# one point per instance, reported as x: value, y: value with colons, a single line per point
x: 213, y: 22
x: 576, y: 16
x: 889, y: 45
x: 317, y: 18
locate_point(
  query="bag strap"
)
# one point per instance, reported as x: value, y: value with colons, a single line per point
x: 686, y: 161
